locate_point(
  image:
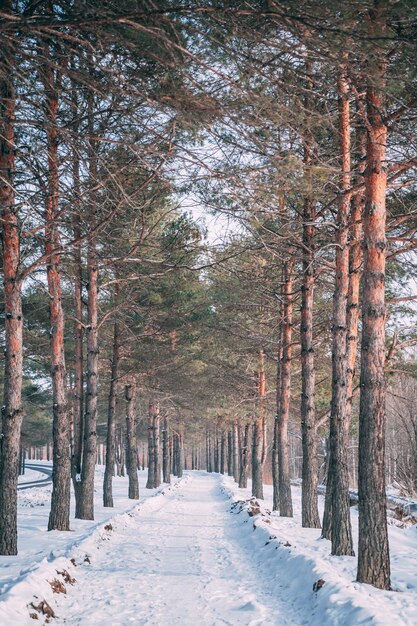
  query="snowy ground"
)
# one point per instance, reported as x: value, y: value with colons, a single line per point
x: 192, y: 556
x: 30, y: 475
x: 40, y: 550
x: 298, y: 558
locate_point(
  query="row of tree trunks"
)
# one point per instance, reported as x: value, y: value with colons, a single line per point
x: 12, y: 412
x: 111, y: 421
x: 61, y: 474
x: 221, y: 457
x: 131, y: 442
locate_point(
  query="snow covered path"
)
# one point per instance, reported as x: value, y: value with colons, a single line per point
x: 181, y: 559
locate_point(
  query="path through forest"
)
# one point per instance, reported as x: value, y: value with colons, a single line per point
x: 185, y: 561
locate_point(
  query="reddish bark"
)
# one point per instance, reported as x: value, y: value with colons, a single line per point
x: 373, y: 549
x: 12, y: 412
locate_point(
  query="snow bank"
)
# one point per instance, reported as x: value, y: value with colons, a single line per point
x: 301, y: 562
x: 47, y: 559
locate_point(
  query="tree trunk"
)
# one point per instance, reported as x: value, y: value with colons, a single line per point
x: 12, y: 411
x: 111, y: 421
x: 244, y: 462
x: 216, y: 452
x: 132, y: 446
x: 120, y: 458
x: 166, y: 462
x: 258, y: 443
x: 337, y: 492
x: 78, y: 390
x: 154, y: 411
x: 355, y: 270
x: 222, y: 453
x: 235, y: 451
x: 284, y: 486
x: 182, y: 464
x: 274, y: 456
x: 309, y: 504
x: 85, y: 503
x: 373, y: 549
x: 172, y: 454
x: 274, y: 466
x: 229, y: 454
x: 150, y: 483
x: 209, y: 455
x: 178, y: 455
x: 61, y: 473
x: 257, y: 483
x: 21, y: 461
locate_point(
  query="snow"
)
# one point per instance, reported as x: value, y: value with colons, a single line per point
x: 29, y: 476
x: 41, y: 552
x: 190, y: 554
x: 301, y: 558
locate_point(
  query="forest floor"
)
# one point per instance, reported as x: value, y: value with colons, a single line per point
x: 194, y: 554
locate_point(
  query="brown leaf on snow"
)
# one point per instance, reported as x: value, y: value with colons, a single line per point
x: 66, y: 576
x: 44, y: 608
x: 254, y: 508
x: 57, y: 586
